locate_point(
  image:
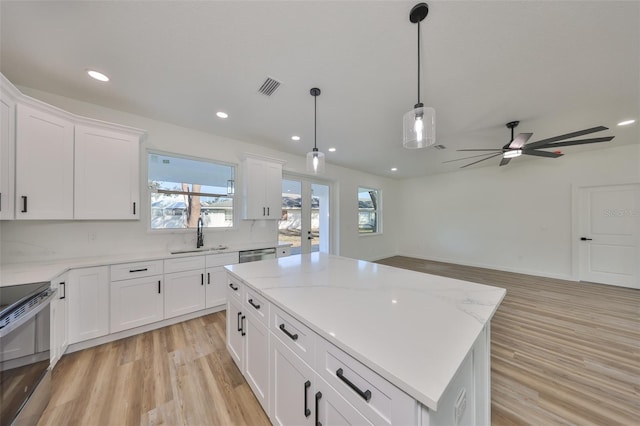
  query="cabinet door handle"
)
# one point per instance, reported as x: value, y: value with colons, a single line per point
x: 134, y: 207
x: 158, y: 286
x: 268, y: 211
x: 263, y: 211
x: 64, y: 290
x: 307, y: 412
x: 208, y: 278
x: 293, y: 337
x: 366, y: 395
x: 232, y: 287
x: 202, y: 279
x: 239, y: 327
x: 138, y: 270
x: 318, y: 396
x: 253, y: 304
x: 24, y: 204
x: 242, y: 325
x: 0, y: 201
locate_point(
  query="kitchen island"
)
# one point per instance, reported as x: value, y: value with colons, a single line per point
x: 368, y: 343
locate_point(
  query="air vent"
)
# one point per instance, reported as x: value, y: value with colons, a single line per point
x: 440, y: 147
x: 269, y: 86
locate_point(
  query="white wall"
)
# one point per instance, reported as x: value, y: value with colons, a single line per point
x: 514, y: 218
x: 23, y: 241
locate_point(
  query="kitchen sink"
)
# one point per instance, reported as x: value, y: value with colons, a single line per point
x: 200, y: 250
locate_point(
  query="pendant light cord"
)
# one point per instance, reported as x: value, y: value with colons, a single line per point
x: 418, y: 61
x: 315, y: 121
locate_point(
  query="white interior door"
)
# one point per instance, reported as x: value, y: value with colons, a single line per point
x: 609, y: 226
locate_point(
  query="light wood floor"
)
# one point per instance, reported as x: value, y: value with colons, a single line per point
x: 562, y: 353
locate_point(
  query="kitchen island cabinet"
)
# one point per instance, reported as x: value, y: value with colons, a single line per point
x: 388, y: 346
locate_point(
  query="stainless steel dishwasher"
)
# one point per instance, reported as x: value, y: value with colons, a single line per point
x: 255, y: 255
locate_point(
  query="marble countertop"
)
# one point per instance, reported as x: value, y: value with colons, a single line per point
x: 42, y: 271
x: 413, y: 329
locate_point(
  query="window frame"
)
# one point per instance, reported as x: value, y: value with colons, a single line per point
x: 377, y: 210
x: 149, y: 192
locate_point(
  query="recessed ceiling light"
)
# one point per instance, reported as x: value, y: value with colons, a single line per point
x: 626, y: 122
x: 394, y: 169
x: 221, y: 114
x: 295, y: 138
x: 332, y: 150
x: 97, y: 75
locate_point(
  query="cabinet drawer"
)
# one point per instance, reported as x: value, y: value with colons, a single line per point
x: 256, y: 305
x: 180, y: 264
x: 127, y: 271
x: 297, y: 336
x: 376, y: 398
x: 222, y: 259
x: 235, y: 289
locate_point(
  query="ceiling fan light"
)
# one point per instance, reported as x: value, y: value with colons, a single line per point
x: 419, y: 127
x: 513, y: 153
x: 315, y: 162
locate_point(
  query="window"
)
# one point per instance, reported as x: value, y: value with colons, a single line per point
x: 368, y: 211
x: 183, y: 190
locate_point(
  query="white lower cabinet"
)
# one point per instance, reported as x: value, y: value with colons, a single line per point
x: 304, y: 379
x: 216, y: 277
x: 256, y: 365
x: 184, y: 283
x: 59, y: 319
x: 184, y: 293
x: 136, y: 293
x: 88, y: 293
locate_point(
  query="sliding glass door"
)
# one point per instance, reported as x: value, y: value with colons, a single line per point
x: 305, y: 215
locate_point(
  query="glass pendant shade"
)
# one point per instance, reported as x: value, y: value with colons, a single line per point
x: 315, y: 161
x: 419, y: 127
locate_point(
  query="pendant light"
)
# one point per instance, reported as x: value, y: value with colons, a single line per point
x: 315, y: 158
x: 419, y: 124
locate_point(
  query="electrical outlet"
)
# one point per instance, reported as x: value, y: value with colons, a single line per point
x: 92, y: 236
x: 460, y: 406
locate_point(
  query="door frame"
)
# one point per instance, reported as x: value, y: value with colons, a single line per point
x: 575, y: 220
x: 334, y: 242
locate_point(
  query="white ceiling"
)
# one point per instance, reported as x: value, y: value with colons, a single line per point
x: 556, y: 66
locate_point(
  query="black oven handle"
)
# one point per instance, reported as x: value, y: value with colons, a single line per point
x: 18, y: 316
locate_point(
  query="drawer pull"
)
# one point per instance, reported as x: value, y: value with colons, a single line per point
x: 293, y: 337
x: 253, y: 304
x: 307, y: 412
x: 232, y: 287
x: 138, y: 270
x: 318, y: 396
x: 366, y: 395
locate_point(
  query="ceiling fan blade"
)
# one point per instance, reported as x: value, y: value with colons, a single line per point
x: 542, y: 153
x: 542, y: 142
x: 476, y: 162
x: 492, y: 149
x: 569, y: 143
x: 466, y: 158
x: 504, y: 161
x: 519, y: 141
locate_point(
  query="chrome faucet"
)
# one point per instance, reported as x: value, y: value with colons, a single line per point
x: 199, y: 235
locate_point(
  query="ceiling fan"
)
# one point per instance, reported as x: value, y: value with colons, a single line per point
x: 519, y: 146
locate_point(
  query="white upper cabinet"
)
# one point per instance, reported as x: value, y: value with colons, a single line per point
x: 106, y: 174
x: 262, y: 189
x: 44, y: 165
x: 57, y: 165
x: 7, y: 146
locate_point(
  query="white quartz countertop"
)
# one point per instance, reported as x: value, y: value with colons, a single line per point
x: 43, y: 271
x: 413, y: 329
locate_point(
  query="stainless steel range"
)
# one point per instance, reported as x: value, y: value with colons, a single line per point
x: 25, y: 377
